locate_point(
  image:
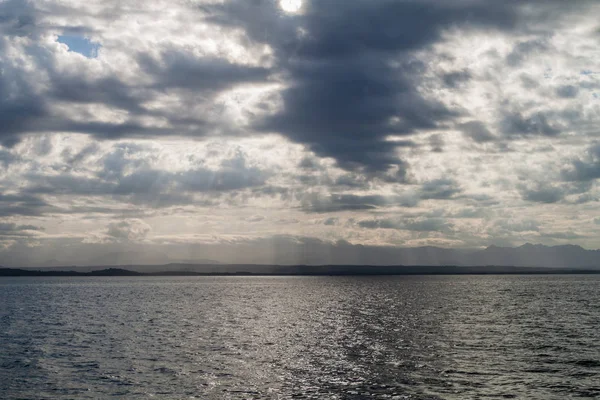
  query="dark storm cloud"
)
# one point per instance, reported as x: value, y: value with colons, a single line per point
x: 331, y: 221
x: 179, y: 69
x: 110, y: 91
x: 456, y: 78
x: 126, y: 176
x: 344, y: 111
x: 352, y: 181
x: 352, y: 80
x: 201, y: 180
x: 350, y: 75
x: 542, y: 194
x: 515, y: 124
x: 148, y: 186
x: 74, y: 159
x: 22, y: 18
x: 470, y: 212
x: 22, y: 204
x: 440, y: 189
x: 567, y: 91
x: 66, y: 184
x: 586, y: 169
x: 17, y: 17
x: 477, y: 131
x: 524, y: 50
x: 24, y: 111
x: 14, y: 230
x: 379, y: 223
x: 20, y: 108
x: 272, y: 191
x: 333, y: 203
x: 481, y: 200
x: 527, y: 82
x: 574, y: 187
x: 586, y: 198
x: 309, y: 163
x: 350, y: 202
x: 26, y: 103
x: 7, y: 158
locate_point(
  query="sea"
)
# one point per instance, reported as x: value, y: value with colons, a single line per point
x: 301, y: 337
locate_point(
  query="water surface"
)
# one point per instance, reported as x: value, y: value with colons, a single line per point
x: 420, y: 337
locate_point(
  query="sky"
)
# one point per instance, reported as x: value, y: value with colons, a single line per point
x: 280, y: 132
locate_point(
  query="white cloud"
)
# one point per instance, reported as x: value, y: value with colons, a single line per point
x: 128, y: 230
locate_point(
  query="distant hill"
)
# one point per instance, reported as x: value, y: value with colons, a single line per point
x: 566, y: 256
x: 527, y: 255
x: 335, y: 270
x: 31, y: 272
x: 142, y: 257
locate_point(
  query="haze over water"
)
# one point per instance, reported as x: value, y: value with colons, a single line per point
x: 421, y: 337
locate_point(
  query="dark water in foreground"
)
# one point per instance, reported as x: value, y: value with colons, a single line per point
x: 451, y: 337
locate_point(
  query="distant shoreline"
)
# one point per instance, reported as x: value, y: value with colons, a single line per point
x: 332, y: 270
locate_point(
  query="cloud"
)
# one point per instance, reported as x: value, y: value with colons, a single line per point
x: 255, y: 218
x: 233, y: 174
x: 569, y: 235
x: 331, y: 221
x: 82, y: 155
x: 542, y: 194
x: 440, y: 189
x: 585, y: 169
x: 349, y: 91
x: 514, y: 123
x: 309, y: 163
x: 22, y: 204
x: 14, y: 230
x: 128, y: 230
x: 128, y: 177
x: 470, y: 212
x: 180, y: 70
x: 456, y: 78
x: 63, y: 91
x: 567, y: 91
x: 468, y: 120
x: 477, y: 131
x: 417, y: 225
x: 349, y: 202
x: 516, y: 225
x: 18, y: 17
x: 6, y: 158
x: 526, y: 50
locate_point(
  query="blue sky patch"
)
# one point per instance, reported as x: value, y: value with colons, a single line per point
x: 81, y: 45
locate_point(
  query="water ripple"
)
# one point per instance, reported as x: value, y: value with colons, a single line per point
x: 464, y: 337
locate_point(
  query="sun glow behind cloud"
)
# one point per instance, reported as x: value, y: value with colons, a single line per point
x: 291, y: 6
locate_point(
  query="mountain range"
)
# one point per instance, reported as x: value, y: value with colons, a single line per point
x: 527, y: 255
